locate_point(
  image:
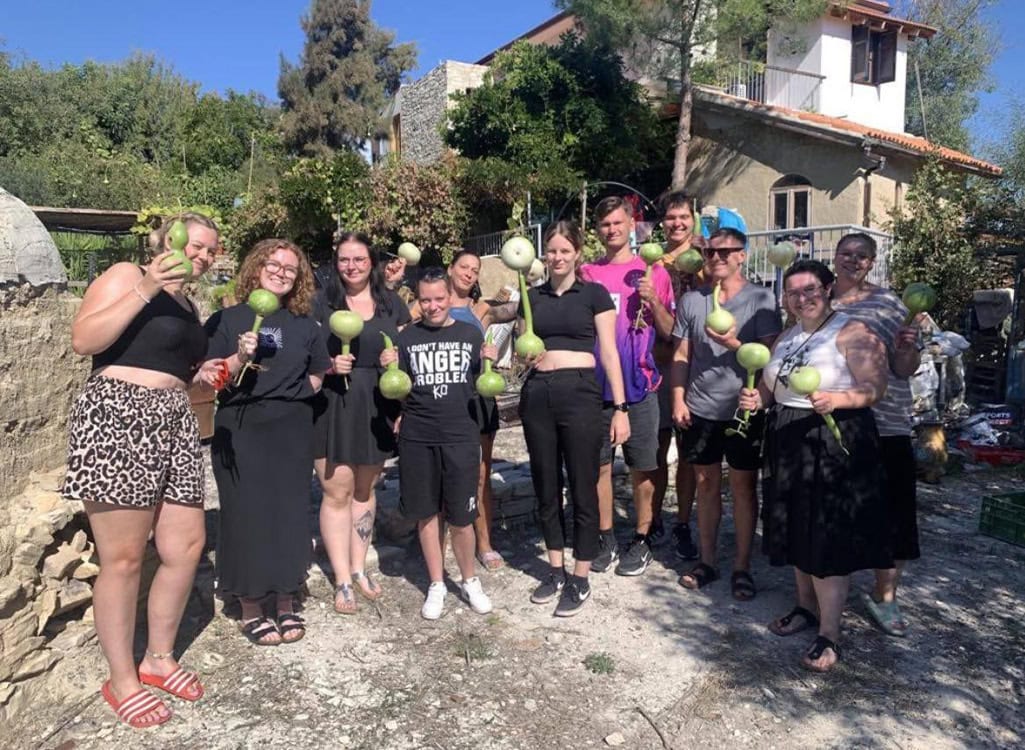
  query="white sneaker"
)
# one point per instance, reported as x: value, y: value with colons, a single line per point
x: 434, y: 605
x: 474, y: 594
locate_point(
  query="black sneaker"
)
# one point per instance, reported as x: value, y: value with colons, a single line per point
x: 684, y: 545
x: 549, y: 589
x: 609, y: 553
x: 636, y: 558
x: 572, y: 600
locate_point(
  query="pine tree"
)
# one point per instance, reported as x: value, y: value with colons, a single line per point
x: 348, y: 70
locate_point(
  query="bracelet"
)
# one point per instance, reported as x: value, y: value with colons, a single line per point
x: 142, y: 296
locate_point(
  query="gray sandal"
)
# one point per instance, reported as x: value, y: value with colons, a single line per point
x: 366, y: 586
x: 348, y: 606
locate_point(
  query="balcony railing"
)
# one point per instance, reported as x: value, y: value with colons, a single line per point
x: 768, y: 84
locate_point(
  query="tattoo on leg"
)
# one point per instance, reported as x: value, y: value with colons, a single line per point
x: 365, y: 526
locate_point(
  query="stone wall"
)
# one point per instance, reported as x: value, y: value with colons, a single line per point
x: 425, y: 105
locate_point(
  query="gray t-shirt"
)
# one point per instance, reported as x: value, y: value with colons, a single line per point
x: 715, y: 377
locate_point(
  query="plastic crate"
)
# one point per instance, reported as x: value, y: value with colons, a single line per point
x: 992, y: 454
x: 1003, y: 517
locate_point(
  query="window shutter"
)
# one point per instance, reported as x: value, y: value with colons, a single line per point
x: 886, y: 59
x: 860, y: 54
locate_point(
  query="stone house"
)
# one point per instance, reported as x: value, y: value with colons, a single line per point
x: 809, y: 139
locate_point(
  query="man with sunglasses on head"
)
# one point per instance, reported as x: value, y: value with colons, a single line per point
x: 706, y: 380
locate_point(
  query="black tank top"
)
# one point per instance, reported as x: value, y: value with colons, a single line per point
x: 164, y: 336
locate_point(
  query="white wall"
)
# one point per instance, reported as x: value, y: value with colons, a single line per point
x: 828, y: 53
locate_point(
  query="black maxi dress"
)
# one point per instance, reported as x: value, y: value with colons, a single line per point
x: 262, y: 453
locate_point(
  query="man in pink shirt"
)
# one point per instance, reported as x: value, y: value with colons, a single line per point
x: 623, y: 274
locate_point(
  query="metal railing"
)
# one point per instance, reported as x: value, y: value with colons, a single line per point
x: 815, y: 243
x: 769, y: 84
x: 491, y: 243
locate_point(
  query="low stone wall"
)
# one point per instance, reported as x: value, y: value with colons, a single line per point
x: 45, y: 590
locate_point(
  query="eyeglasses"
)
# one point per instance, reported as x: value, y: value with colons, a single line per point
x: 857, y: 257
x: 809, y: 292
x: 357, y: 262
x: 722, y: 252
x: 289, y: 272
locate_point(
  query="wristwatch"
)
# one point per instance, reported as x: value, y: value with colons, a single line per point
x: 623, y: 407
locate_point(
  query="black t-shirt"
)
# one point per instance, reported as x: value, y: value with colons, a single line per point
x: 443, y: 362
x: 366, y: 347
x: 291, y: 348
x: 566, y: 321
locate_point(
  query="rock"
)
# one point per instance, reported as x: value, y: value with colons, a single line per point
x: 36, y: 663
x: 6, y: 691
x: 27, y: 252
x: 60, y: 563
x: 79, y: 541
x: 85, y: 571
x: 615, y: 739
x: 29, y: 553
x: 88, y: 616
x: 10, y: 596
x: 74, y: 594
x: 45, y: 606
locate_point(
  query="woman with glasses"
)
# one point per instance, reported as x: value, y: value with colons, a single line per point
x: 466, y: 306
x: 354, y: 422
x: 263, y: 441
x: 824, y: 511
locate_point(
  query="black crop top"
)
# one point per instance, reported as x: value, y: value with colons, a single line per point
x: 566, y: 322
x: 164, y: 336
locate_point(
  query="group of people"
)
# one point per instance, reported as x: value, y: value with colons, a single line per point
x: 628, y: 361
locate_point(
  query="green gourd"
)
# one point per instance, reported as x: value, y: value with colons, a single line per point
x: 528, y: 344
x: 394, y: 383
x: 489, y: 383
x: 719, y: 320
x: 409, y: 253
x: 919, y: 297
x: 262, y: 303
x: 752, y: 357
x: 690, y: 261
x: 804, y: 381
x: 651, y: 253
x: 346, y: 325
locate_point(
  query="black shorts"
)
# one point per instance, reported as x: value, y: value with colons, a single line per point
x: 705, y: 443
x: 901, y: 484
x: 437, y: 479
x: 641, y: 451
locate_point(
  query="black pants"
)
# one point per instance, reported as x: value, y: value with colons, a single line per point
x: 562, y: 424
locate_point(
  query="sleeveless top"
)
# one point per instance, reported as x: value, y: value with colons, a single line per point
x: 465, y: 314
x: 164, y: 337
x: 799, y: 348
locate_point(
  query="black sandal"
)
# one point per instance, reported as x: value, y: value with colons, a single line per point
x: 256, y: 629
x: 699, y: 576
x: 777, y: 626
x: 290, y: 622
x: 818, y: 647
x: 743, y: 586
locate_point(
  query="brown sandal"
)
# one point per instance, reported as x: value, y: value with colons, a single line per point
x: 345, y: 594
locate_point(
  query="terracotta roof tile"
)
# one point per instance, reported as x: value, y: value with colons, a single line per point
x: 903, y: 140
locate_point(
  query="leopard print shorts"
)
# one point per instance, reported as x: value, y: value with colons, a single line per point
x: 133, y: 446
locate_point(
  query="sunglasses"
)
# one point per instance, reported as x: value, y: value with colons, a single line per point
x: 722, y: 252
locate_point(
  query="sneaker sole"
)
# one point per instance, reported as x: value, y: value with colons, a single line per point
x: 466, y: 600
x: 545, y: 600
x: 635, y: 571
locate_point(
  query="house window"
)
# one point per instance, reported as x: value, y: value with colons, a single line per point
x: 790, y: 202
x: 873, y: 55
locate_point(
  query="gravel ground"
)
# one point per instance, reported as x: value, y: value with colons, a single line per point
x: 645, y: 665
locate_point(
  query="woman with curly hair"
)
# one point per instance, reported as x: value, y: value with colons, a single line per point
x: 262, y: 449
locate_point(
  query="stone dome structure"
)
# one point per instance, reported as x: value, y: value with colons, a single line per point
x: 27, y: 252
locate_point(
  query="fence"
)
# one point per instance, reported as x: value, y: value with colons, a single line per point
x: 815, y: 243
x: 768, y: 84
x: 491, y: 244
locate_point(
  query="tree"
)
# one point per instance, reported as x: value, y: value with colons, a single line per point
x: 664, y: 35
x: 934, y: 242
x: 953, y: 67
x: 348, y: 70
x: 548, y: 117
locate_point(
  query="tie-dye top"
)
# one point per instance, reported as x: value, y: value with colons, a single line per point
x: 640, y: 374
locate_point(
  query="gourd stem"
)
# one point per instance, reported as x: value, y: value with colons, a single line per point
x: 528, y: 316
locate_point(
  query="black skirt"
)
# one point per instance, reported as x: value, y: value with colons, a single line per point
x: 262, y: 454
x: 355, y: 424
x: 824, y: 512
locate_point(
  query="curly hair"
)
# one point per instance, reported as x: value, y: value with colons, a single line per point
x: 299, y: 301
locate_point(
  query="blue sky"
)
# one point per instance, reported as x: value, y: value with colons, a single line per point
x: 237, y: 44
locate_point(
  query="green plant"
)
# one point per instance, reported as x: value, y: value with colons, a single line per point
x: 600, y: 663
x: 473, y: 647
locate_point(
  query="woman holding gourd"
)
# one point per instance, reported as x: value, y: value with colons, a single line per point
x: 824, y: 511
x: 354, y: 422
x: 134, y: 457
x: 561, y: 410
x: 263, y: 442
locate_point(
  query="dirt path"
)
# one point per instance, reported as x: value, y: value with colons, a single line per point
x: 698, y: 668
